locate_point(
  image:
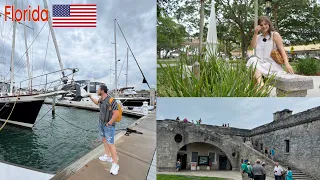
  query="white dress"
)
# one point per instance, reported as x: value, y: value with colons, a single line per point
x: 263, y: 61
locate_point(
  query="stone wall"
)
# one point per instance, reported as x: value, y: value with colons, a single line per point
x: 304, y: 140
x: 203, y: 149
x: 294, y: 120
x: 219, y: 129
x: 301, y: 129
x: 168, y: 148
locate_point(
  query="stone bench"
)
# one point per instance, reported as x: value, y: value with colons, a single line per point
x: 293, y: 85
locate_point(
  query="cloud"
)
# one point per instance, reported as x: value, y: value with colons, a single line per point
x: 89, y: 49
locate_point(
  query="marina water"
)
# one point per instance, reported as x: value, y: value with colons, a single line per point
x: 53, y: 144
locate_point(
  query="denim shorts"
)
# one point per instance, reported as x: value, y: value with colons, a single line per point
x: 107, y: 132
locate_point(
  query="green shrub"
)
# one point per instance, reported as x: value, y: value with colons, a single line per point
x: 307, y: 66
x: 218, y: 78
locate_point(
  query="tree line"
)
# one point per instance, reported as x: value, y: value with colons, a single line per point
x: 179, y: 20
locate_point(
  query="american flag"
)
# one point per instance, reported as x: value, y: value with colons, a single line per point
x: 74, y: 15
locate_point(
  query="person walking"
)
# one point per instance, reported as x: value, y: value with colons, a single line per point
x: 264, y: 43
x: 178, y: 165
x: 258, y: 170
x: 272, y: 153
x: 264, y: 175
x: 266, y: 152
x: 107, y: 117
x: 244, y: 170
x: 289, y: 174
x: 277, y: 171
x: 250, y: 174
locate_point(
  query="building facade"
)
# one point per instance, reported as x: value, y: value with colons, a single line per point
x: 294, y: 137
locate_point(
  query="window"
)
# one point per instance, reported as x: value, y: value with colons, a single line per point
x: 287, y: 146
x: 261, y: 146
x: 178, y: 138
x: 184, y: 148
x: 194, y: 157
x: 212, y: 158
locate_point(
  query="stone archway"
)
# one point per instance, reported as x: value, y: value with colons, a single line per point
x: 215, y: 158
x: 230, y: 155
x: 173, y: 135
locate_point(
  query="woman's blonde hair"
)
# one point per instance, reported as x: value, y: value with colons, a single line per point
x: 267, y: 20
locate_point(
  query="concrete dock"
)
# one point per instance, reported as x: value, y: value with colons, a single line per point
x: 136, y: 153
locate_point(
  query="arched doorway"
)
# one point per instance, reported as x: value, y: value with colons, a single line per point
x: 203, y: 156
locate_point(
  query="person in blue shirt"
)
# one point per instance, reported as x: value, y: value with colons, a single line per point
x: 272, y: 153
x: 289, y: 174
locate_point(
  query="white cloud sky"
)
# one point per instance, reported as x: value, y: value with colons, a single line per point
x: 89, y: 49
x: 244, y: 113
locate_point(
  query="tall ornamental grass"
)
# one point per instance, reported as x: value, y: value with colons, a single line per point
x: 218, y: 78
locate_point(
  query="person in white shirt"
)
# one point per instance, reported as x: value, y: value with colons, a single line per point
x: 277, y: 171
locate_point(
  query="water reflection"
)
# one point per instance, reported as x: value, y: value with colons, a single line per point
x: 53, y: 143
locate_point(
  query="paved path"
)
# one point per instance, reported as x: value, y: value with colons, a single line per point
x: 135, y: 153
x: 230, y: 175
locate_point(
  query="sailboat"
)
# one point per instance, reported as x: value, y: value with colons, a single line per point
x: 126, y: 95
x: 22, y: 106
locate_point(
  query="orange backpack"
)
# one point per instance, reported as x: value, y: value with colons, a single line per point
x: 119, y: 109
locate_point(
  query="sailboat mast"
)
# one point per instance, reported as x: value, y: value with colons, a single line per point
x: 12, y: 53
x: 27, y: 56
x: 115, y: 56
x: 127, y: 67
x: 53, y: 36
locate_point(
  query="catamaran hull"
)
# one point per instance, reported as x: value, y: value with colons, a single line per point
x: 25, y: 111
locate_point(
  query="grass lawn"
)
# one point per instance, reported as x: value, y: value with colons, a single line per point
x: 180, y: 177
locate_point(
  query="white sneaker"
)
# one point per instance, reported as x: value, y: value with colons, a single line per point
x: 106, y: 158
x: 114, y: 169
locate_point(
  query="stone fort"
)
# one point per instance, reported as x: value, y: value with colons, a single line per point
x: 295, y: 138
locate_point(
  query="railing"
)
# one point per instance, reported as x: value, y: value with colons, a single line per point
x: 49, y: 83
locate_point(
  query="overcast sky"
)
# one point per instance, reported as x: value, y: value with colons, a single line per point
x: 89, y: 49
x: 244, y: 113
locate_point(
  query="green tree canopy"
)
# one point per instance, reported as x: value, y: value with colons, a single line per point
x: 296, y: 20
x: 170, y: 35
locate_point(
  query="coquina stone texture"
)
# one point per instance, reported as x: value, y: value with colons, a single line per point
x: 301, y: 130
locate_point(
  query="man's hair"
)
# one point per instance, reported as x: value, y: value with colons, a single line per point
x: 258, y: 161
x: 104, y: 88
